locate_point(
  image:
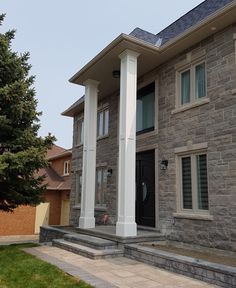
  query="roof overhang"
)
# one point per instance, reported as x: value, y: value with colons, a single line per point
x: 61, y: 155
x: 101, y: 66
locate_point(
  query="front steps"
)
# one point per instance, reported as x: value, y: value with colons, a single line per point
x: 89, y: 246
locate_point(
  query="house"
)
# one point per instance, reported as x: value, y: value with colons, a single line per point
x: 156, y: 130
x: 26, y: 220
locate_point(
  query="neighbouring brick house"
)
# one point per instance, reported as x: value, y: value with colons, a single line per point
x: 26, y: 220
x: 157, y: 131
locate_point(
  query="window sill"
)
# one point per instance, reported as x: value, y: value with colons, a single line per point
x: 147, y: 134
x: 97, y: 208
x: 183, y: 215
x: 102, y: 137
x: 79, y: 145
x: 100, y: 208
x: 190, y: 106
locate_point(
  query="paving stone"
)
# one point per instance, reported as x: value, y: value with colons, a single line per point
x: 107, y: 278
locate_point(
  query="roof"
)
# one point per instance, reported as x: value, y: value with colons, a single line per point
x: 53, y: 180
x: 73, y: 108
x: 188, y: 20
x: 55, y: 150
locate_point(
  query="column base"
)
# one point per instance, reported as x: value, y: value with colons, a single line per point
x: 126, y: 229
x: 86, y: 222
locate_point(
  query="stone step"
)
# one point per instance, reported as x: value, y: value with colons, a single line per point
x: 87, y: 251
x: 91, y: 241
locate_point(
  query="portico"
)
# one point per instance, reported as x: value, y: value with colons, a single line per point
x: 124, y: 54
x: 126, y: 225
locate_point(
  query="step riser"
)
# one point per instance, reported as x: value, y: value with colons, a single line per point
x: 89, y: 244
x: 87, y: 254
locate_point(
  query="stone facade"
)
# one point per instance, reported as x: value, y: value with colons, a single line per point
x: 213, y: 123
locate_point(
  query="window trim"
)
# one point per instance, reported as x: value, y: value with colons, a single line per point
x: 103, y: 110
x: 190, y: 151
x: 80, y: 138
x: 190, y: 63
x: 66, y: 168
x: 78, y: 175
x: 104, y: 205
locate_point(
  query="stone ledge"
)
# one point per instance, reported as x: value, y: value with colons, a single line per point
x: 204, y: 217
x: 190, y: 106
x: 222, y: 275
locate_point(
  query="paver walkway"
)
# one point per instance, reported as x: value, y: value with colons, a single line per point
x: 115, y: 272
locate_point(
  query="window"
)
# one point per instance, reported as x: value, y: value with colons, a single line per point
x: 78, y: 187
x: 101, y: 186
x: 103, y: 123
x: 80, y: 132
x: 193, y: 183
x: 145, y: 109
x: 192, y: 84
x: 67, y: 167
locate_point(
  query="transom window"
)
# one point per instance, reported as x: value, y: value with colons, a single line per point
x: 66, y: 167
x: 145, y: 109
x: 80, y: 132
x: 192, y: 83
x: 101, y: 186
x: 193, y: 182
x: 103, y: 123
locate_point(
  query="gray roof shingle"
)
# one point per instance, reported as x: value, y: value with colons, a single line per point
x: 188, y: 20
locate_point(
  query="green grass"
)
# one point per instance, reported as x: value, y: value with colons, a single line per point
x: 21, y: 270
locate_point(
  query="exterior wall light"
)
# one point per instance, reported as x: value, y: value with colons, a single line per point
x: 163, y: 164
x: 116, y: 74
x: 109, y: 172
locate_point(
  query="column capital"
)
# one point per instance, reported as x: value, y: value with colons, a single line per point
x: 91, y: 82
x: 127, y: 53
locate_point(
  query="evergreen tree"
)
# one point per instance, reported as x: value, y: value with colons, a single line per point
x: 22, y: 151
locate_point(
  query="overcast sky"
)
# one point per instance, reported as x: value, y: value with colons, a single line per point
x: 62, y: 36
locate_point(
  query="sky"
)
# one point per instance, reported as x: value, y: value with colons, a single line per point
x: 63, y: 35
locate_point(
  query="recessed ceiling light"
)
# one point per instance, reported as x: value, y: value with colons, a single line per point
x: 213, y: 28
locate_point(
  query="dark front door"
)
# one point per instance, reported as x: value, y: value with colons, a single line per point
x: 145, y: 188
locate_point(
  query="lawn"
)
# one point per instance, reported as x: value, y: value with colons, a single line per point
x: 21, y: 270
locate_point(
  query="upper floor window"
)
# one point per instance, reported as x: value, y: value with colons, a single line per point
x: 191, y: 84
x: 80, y: 132
x: 145, y: 109
x: 66, y: 167
x: 103, y: 123
x: 193, y: 183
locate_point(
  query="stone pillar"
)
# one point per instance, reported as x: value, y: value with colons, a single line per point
x: 87, y: 219
x: 126, y: 225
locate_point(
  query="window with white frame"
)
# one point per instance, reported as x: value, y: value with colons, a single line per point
x: 101, y: 186
x: 193, y: 183
x: 66, y: 167
x: 103, y: 123
x: 78, y: 187
x: 80, y: 132
x: 191, y: 83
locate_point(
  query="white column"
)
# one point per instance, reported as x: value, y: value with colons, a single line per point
x: 87, y: 219
x: 126, y: 225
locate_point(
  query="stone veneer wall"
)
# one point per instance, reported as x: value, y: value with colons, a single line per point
x: 214, y: 123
